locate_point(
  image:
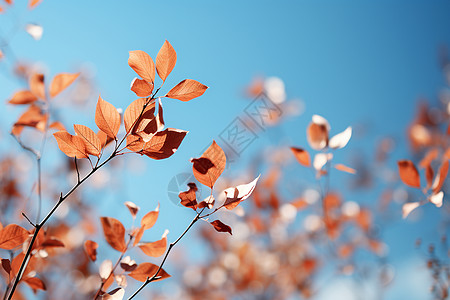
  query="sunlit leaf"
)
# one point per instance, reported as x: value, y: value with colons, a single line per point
x: 149, y: 220
x: 114, y: 233
x: 437, y: 198
x: 208, y: 202
x: 12, y: 236
x: 317, y: 133
x: 164, y: 143
x: 210, y: 165
x: 135, y: 110
x: 23, y: 97
x: 321, y: 159
x: 408, y: 173
x: 72, y: 146
x: 35, y: 283
x: 143, y: 65
x: 221, y: 227
x: 186, y: 90
x: 235, y: 195
x: 34, y: 30
x: 141, y: 87
x: 155, y: 249
x: 133, y: 208
x: 107, y: 118
x: 165, y: 60
x: 92, y: 142
x: 302, y: 156
x: 116, y: 294
x: 145, y: 270
x: 105, y: 269
x: 407, y: 208
x: 340, y: 140
x: 61, y: 82
x: 33, y: 3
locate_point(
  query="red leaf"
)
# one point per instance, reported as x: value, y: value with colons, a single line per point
x: 302, y: 156
x: 145, y: 270
x: 408, y: 173
x: 186, y: 90
x: 23, y: 97
x: 141, y: 87
x: 35, y: 283
x: 107, y: 118
x: 143, y: 65
x: 61, y: 82
x: 72, y: 146
x: 12, y: 236
x: 210, y: 165
x: 91, y: 141
x: 91, y: 249
x: 221, y: 227
x: 6, y: 264
x: 114, y: 233
x: 165, y: 60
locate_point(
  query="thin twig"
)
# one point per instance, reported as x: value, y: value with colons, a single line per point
x: 25, y: 216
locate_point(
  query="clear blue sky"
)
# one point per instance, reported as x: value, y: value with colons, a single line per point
x: 366, y: 62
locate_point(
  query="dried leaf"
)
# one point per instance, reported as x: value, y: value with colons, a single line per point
x: 344, y: 168
x: 35, y: 283
x: 134, y: 111
x: 340, y: 140
x: 107, y: 118
x: 52, y: 242
x: 133, y: 208
x: 407, y: 208
x: 23, y: 97
x: 12, y: 236
x: 143, y: 65
x: 6, y: 264
x: 72, y: 146
x: 145, y: 270
x: 221, y: 227
x: 114, y: 233
x: 317, y: 133
x: 105, y: 140
x: 189, y: 198
x: 235, y: 195
x: 302, y: 156
x: 408, y: 173
x: 150, y: 218
x: 165, y: 60
x: 154, y: 249
x: 116, y: 294
x: 186, y: 90
x: 208, y: 202
x: 141, y: 87
x: 91, y: 249
x: 139, y: 233
x: 164, y: 143
x: 37, y: 86
x: 91, y: 141
x: 210, y: 165
x: 61, y: 82
x: 128, y: 264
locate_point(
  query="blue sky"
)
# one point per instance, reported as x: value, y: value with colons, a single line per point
x: 353, y: 63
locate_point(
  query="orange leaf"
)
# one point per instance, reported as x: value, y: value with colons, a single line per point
x: 221, y: 227
x: 150, y: 218
x: 35, y: 283
x: 236, y: 195
x: 133, y: 208
x: 114, y: 233
x: 12, y: 236
x: 37, y: 86
x: 165, y: 60
x: 429, y: 174
x: 408, y: 173
x: 138, y: 236
x: 136, y: 110
x: 439, y: 181
x: 302, y: 156
x: 91, y: 249
x: 61, y: 82
x: 107, y: 118
x: 90, y: 139
x: 104, y: 138
x: 17, y: 261
x: 145, y: 270
x: 186, y: 90
x: 23, y: 97
x: 58, y: 126
x: 33, y: 3
x: 154, y: 249
x: 143, y: 65
x: 72, y: 146
x: 317, y: 132
x: 33, y: 117
x: 210, y: 165
x: 164, y: 143
x: 344, y: 168
x: 141, y: 87
x: 189, y: 198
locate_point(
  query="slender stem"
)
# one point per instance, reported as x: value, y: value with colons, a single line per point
x: 39, y: 187
x: 155, y: 276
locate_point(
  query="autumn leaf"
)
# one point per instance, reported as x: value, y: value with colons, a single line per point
x: 440, y: 178
x: 35, y: 283
x: 145, y: 270
x: 221, y: 227
x: 189, y: 198
x: 407, y: 208
x: 235, y: 195
x: 208, y: 202
x: 37, y: 86
x: 135, y: 111
x: 210, y: 165
x: 114, y: 233
x: 143, y: 65
x: 61, y: 82
x: 317, y: 133
x: 408, y: 173
x: 133, y: 208
x: 72, y: 146
x: 165, y: 60
x: 12, y: 236
x: 128, y: 264
x: 155, y: 249
x: 344, y: 168
x: 116, y: 294
x: 141, y: 87
x: 186, y: 90
x: 164, y: 143
x: 23, y: 97
x: 32, y: 117
x: 90, y: 247
x: 107, y: 118
x: 302, y: 156
x: 437, y: 198
x: 149, y: 220
x: 91, y: 141
x: 105, y: 269
x: 6, y: 265
x: 33, y: 3
x: 340, y: 140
